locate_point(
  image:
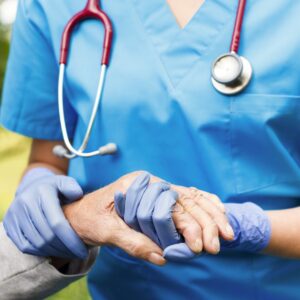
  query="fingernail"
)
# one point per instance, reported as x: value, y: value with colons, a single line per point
x: 216, y: 244
x: 229, y: 230
x: 156, y: 259
x: 198, y: 245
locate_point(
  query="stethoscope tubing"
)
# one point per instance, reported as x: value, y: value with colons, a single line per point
x: 98, y: 97
x: 236, y: 35
x: 92, y: 10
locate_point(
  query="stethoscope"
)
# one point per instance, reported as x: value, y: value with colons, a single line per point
x: 230, y: 74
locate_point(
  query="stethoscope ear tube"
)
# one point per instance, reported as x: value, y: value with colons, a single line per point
x: 92, y: 10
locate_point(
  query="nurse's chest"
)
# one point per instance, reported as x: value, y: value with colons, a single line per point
x: 159, y: 82
x: 153, y: 58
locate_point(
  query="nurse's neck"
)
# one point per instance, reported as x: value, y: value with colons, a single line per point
x: 184, y: 10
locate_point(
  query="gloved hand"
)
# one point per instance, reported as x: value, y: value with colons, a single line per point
x: 251, y: 226
x: 147, y: 208
x: 35, y: 221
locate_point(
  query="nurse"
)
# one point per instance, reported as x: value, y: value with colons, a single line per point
x: 160, y: 108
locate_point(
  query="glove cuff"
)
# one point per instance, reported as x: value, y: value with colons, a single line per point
x: 251, y: 226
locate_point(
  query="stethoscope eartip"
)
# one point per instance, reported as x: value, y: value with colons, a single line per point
x: 60, y: 151
x: 108, y: 149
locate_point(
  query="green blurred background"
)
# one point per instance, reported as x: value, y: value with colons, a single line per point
x: 14, y: 149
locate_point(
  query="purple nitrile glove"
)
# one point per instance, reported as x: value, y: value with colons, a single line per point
x: 251, y: 226
x: 147, y: 207
x: 35, y: 221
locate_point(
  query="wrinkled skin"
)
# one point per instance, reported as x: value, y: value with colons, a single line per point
x: 96, y: 221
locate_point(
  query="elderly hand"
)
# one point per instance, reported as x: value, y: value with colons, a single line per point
x: 96, y: 222
x: 35, y: 221
x: 151, y: 208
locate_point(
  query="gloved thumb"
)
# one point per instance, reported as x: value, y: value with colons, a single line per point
x: 119, y: 201
x: 179, y: 252
x: 69, y: 188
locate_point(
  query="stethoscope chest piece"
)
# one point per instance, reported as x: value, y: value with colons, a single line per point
x: 230, y: 73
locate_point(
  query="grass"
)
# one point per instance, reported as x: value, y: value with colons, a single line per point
x: 14, y: 151
x: 4, y: 48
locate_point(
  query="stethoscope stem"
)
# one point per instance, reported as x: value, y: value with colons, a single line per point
x: 235, y: 42
x: 230, y: 72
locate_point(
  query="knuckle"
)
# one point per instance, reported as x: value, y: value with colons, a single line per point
x: 40, y: 245
x: 194, y: 230
x: 136, y: 173
x: 188, y: 203
x: 159, y: 218
x: 178, y: 209
x: 136, y: 248
x: 50, y: 238
x: 162, y: 217
x: 40, y: 189
x: 214, y: 197
x: 144, y: 217
x: 23, y: 248
x: 57, y: 225
x: 213, y: 227
x: 23, y: 199
x: 128, y: 220
x: 219, y: 218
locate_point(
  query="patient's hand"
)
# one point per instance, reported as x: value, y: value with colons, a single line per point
x: 208, y: 211
x: 95, y: 220
x: 161, y: 211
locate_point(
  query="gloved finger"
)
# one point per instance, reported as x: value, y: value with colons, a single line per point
x: 134, y: 195
x: 60, y: 226
x: 33, y: 236
x: 179, y: 253
x: 14, y: 232
x: 69, y: 188
x: 136, y: 244
x: 188, y: 228
x: 40, y: 223
x: 212, y: 210
x: 146, y: 209
x: 162, y: 218
x: 209, y: 227
x: 119, y: 200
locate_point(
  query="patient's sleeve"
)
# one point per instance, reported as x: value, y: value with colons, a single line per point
x: 24, y: 276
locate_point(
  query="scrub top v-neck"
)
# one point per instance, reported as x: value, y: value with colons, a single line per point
x: 159, y: 106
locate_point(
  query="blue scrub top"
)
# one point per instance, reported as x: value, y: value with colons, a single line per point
x: 160, y: 108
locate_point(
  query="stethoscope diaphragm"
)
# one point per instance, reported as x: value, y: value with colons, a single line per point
x: 230, y: 73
